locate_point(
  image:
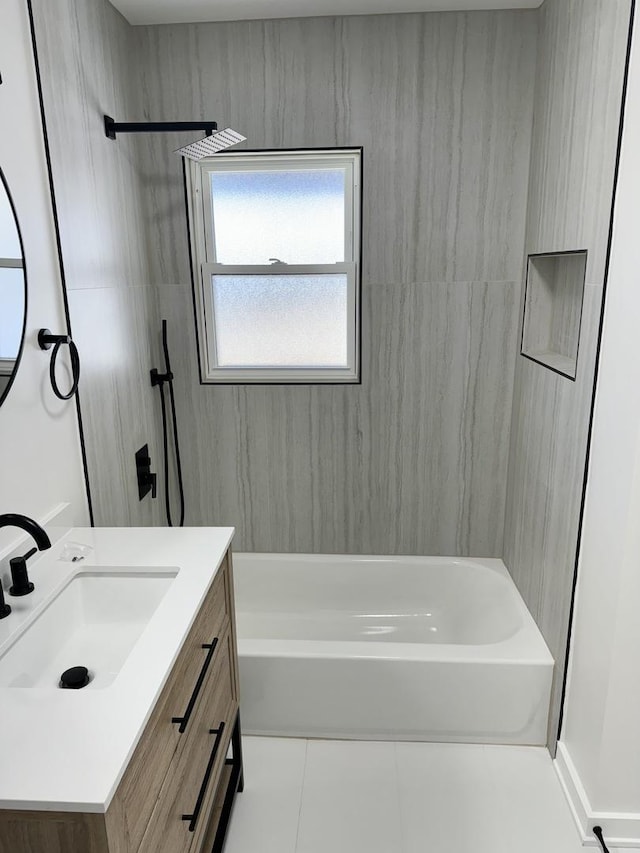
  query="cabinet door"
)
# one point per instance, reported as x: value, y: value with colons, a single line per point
x: 180, y: 813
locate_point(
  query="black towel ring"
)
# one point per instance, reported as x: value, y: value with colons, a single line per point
x: 46, y: 340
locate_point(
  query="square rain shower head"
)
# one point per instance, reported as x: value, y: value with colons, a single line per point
x: 218, y: 141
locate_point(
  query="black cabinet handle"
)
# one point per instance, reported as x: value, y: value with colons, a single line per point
x: 193, y: 818
x: 184, y: 721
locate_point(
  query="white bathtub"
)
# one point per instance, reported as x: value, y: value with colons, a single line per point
x: 414, y: 648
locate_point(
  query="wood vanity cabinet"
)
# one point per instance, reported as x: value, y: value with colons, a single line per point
x: 178, y: 789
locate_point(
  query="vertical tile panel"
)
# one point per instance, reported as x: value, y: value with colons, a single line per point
x: 577, y: 111
x: 389, y: 466
x: 113, y: 328
x: 576, y: 116
x: 440, y: 102
x: 88, y: 67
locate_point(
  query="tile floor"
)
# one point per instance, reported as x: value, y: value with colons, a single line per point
x: 358, y: 797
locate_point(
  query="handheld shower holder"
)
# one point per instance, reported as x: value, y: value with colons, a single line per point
x: 158, y: 378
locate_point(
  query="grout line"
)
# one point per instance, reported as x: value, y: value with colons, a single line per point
x: 401, y: 824
x: 304, y: 774
x: 499, y: 796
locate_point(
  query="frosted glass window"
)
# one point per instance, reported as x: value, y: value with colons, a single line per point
x: 11, y: 311
x: 9, y: 240
x: 296, y: 216
x: 280, y: 320
x: 275, y: 243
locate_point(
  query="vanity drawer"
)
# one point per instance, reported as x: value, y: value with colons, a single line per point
x: 138, y: 792
x: 197, y: 765
x: 191, y: 668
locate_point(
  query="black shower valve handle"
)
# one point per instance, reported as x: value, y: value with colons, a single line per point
x: 147, y: 480
x: 152, y: 480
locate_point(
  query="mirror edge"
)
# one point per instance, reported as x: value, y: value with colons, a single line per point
x: 5, y: 185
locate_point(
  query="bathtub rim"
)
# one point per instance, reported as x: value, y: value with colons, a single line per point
x: 527, y: 645
x: 495, y: 564
x: 508, y: 653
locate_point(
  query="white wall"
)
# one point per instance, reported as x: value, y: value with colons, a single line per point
x: 601, y: 735
x: 40, y: 461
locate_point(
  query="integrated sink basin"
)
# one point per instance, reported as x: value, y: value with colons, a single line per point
x: 94, y: 621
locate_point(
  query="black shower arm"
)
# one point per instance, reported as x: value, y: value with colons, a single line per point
x: 111, y: 127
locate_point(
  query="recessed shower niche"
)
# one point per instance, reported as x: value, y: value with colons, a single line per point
x: 553, y: 310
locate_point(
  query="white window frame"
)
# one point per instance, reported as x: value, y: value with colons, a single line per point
x: 205, y: 262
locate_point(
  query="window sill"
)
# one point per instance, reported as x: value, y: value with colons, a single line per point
x: 266, y: 376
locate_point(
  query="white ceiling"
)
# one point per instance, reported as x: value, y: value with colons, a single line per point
x: 184, y: 11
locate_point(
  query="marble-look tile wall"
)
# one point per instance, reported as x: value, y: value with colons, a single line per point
x: 88, y: 67
x: 371, y: 468
x: 581, y: 61
x: 413, y: 460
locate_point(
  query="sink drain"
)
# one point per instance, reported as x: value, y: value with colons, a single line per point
x: 74, y: 678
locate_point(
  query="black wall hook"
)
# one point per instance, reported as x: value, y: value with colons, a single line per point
x: 46, y: 340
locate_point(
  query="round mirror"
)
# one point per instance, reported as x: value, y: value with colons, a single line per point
x: 13, y: 290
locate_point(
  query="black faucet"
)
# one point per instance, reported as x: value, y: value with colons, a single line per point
x: 12, y: 519
x: 21, y: 583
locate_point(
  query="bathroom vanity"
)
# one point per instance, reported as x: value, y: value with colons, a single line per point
x: 146, y: 757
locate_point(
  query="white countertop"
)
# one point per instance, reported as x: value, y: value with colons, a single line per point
x: 67, y: 750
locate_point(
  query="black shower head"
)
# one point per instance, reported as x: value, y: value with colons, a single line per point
x: 215, y: 140
x: 212, y: 144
